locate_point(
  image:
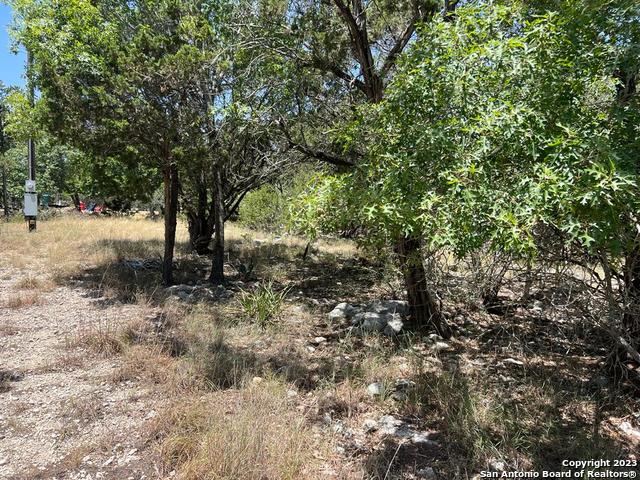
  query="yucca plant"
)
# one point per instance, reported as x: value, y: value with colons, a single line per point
x: 263, y: 304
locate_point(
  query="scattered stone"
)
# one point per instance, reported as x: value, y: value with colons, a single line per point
x: 394, y: 326
x: 370, y: 425
x: 441, y: 346
x: 342, y: 311
x: 427, y: 473
x: 319, y: 340
x: 338, y: 427
x: 3, y: 461
x: 371, y: 321
x: 423, y: 439
x: 375, y: 389
x: 497, y: 465
x: 399, y: 396
x: 198, y: 293
x: 257, y: 380
x: 389, y: 424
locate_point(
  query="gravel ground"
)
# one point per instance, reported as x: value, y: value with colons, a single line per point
x: 61, y: 415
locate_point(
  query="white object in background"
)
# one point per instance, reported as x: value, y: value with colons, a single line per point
x: 30, y: 186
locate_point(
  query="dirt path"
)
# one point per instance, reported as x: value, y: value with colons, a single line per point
x: 61, y: 414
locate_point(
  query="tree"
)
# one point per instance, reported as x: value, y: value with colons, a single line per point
x: 355, y: 48
x: 116, y: 78
x: 5, y: 143
x: 499, y: 126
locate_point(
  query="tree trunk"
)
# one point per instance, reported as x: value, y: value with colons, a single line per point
x: 5, y: 193
x: 201, y: 222
x: 171, y: 186
x: 631, y: 316
x: 423, y: 309
x: 217, y: 264
x: 76, y: 201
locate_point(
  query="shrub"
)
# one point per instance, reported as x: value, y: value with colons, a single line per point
x: 263, y: 209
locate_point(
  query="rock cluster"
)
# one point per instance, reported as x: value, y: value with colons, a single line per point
x: 392, y: 426
x: 198, y: 293
x: 384, y: 316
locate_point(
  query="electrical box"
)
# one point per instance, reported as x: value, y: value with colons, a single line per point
x: 30, y: 186
x: 30, y: 204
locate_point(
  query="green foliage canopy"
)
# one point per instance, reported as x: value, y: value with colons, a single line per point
x: 501, y: 123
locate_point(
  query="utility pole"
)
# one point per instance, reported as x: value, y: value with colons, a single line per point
x: 30, y: 195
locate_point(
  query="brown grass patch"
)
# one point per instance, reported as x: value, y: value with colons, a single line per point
x: 30, y: 282
x: 23, y: 300
x: 103, y: 340
x: 253, y: 434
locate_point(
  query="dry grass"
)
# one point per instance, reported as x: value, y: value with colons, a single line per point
x: 253, y: 434
x: 84, y: 408
x: 104, y: 340
x: 225, y: 425
x: 22, y: 300
x: 30, y: 282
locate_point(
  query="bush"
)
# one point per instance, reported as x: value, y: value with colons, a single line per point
x: 274, y: 208
x: 263, y: 209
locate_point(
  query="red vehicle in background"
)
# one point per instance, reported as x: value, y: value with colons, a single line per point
x: 92, y: 208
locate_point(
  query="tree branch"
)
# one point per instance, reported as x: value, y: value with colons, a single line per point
x: 313, y: 153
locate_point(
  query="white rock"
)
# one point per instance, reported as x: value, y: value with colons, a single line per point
x: 342, y: 311
x: 394, y: 326
x: 370, y: 425
x: 440, y: 346
x: 423, y: 439
x: 627, y: 428
x: 373, y: 322
x: 427, y: 473
x: 389, y: 306
x: 389, y: 425
x: 375, y: 389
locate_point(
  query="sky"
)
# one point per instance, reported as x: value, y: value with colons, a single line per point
x: 11, y: 65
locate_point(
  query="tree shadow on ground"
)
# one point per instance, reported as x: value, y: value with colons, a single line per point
x: 135, y: 274
x: 319, y: 275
